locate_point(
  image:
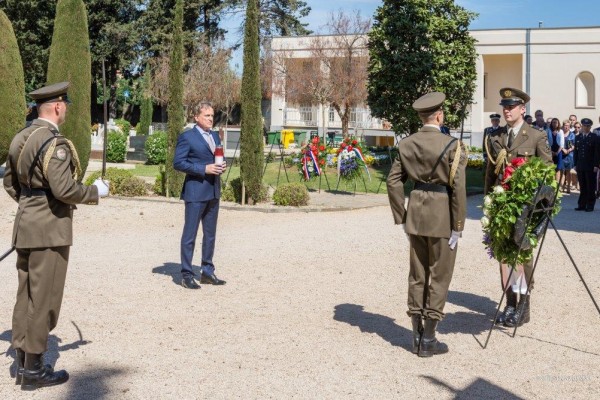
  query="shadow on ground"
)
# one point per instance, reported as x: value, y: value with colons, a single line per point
x: 174, y: 271
x: 381, y: 325
x: 94, y: 384
x: 478, y: 389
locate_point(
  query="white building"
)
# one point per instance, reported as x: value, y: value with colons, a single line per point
x: 558, y: 67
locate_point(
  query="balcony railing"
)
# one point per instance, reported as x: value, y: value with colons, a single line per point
x: 360, y: 118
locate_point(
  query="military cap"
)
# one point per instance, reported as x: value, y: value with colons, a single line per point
x: 495, y: 116
x: 511, y: 96
x: 429, y: 102
x: 586, y: 122
x: 55, y: 92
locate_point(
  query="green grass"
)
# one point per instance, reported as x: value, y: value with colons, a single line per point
x: 146, y: 170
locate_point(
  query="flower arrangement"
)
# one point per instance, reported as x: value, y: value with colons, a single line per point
x: 506, y: 206
x: 313, y: 157
x: 350, y: 159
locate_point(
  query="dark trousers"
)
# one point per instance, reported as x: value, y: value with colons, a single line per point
x: 42, y: 274
x: 587, y: 189
x: 431, y: 269
x: 196, y: 212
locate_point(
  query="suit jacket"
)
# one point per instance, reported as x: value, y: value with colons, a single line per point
x: 529, y: 142
x: 192, y: 155
x: 431, y: 214
x: 587, y: 152
x: 44, y: 221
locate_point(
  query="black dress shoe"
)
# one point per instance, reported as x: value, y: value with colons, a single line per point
x: 211, y: 279
x: 579, y: 208
x: 36, y: 375
x: 188, y: 282
x: 589, y: 210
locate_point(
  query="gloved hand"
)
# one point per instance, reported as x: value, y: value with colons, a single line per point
x: 453, y: 241
x: 102, y: 187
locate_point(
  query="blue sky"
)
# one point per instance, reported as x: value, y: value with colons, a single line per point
x: 492, y: 14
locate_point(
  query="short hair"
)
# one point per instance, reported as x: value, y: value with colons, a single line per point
x: 538, y: 112
x: 201, y: 106
x: 427, y: 115
x: 566, y: 121
x: 573, y: 115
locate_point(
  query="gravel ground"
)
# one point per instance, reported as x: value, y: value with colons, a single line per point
x: 314, y: 307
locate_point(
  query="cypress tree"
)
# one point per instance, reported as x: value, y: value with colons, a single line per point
x: 12, y: 87
x: 175, y: 107
x: 251, y: 145
x: 70, y: 61
x: 146, y: 108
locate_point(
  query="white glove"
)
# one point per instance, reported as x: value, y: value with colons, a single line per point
x: 102, y: 187
x: 453, y: 241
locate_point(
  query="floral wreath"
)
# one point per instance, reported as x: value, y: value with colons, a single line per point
x: 510, y: 202
x: 312, y: 159
x: 350, y: 159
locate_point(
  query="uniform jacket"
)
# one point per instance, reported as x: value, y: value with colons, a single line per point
x: 44, y: 220
x: 192, y: 155
x: 428, y: 213
x: 587, y: 152
x: 529, y: 142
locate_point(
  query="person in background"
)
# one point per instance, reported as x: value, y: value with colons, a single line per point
x: 528, y: 120
x: 587, y: 162
x: 539, y: 123
x: 572, y: 120
x: 574, y: 180
x: 556, y: 141
x: 569, y: 146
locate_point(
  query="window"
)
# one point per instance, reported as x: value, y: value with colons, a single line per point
x: 331, y: 114
x: 585, y: 94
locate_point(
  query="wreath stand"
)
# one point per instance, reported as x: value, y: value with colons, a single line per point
x: 541, y: 229
x: 354, y: 193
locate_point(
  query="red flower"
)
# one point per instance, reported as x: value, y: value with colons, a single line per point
x: 354, y: 142
x: 343, y: 145
x: 517, y: 162
x: 349, y: 148
x: 508, y: 171
x: 339, y: 151
x: 322, y: 162
x: 315, y: 140
x: 321, y: 148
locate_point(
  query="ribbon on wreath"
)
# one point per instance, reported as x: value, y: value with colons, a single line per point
x: 309, y: 156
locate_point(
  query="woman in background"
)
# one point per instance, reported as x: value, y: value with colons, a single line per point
x: 567, y: 156
x: 556, y: 141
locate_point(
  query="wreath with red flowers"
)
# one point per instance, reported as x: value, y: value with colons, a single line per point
x: 313, y: 157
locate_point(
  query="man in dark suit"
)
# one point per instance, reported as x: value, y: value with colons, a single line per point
x: 201, y: 191
x: 516, y: 139
x: 434, y: 218
x: 587, y: 161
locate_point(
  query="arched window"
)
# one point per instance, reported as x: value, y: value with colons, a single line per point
x: 585, y: 94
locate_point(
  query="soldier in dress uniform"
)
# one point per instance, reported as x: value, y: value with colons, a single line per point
x: 517, y: 139
x: 42, y: 174
x: 495, y: 120
x: 587, y: 162
x: 434, y: 218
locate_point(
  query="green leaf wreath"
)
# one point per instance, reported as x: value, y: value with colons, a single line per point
x: 503, y: 207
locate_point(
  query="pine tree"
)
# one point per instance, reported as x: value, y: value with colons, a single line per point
x: 251, y: 149
x: 70, y: 61
x: 175, y: 107
x: 146, y: 107
x: 12, y: 87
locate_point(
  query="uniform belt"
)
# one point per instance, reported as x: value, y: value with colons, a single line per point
x: 431, y: 187
x: 29, y: 192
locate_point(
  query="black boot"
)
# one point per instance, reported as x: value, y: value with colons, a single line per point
x: 417, y: 325
x: 510, y: 308
x: 521, y: 316
x: 429, y: 344
x: 36, y: 375
x: 20, y: 363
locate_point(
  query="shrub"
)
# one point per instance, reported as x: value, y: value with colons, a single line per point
x: 123, y: 125
x: 122, y: 182
x: 116, y: 147
x: 291, y: 194
x: 159, y: 186
x: 233, y: 192
x: 156, y: 148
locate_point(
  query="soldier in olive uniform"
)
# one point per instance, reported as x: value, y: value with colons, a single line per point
x: 434, y: 218
x: 42, y: 172
x: 587, y: 161
x: 495, y: 120
x: 517, y: 139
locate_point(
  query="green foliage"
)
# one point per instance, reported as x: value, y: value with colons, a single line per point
x: 12, y: 87
x: 70, y: 61
x: 291, y: 194
x: 124, y: 125
x: 427, y: 43
x: 174, y: 179
x: 156, y: 148
x: 116, y: 147
x: 233, y: 192
x: 251, y: 141
x: 503, y: 206
x: 122, y: 182
x: 146, y: 108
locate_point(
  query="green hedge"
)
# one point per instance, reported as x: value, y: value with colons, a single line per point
x: 124, y: 125
x: 116, y: 147
x: 233, y: 192
x: 291, y: 194
x: 122, y: 182
x: 156, y: 148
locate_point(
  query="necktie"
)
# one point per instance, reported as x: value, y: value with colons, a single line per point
x: 511, y: 137
x: 210, y: 141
